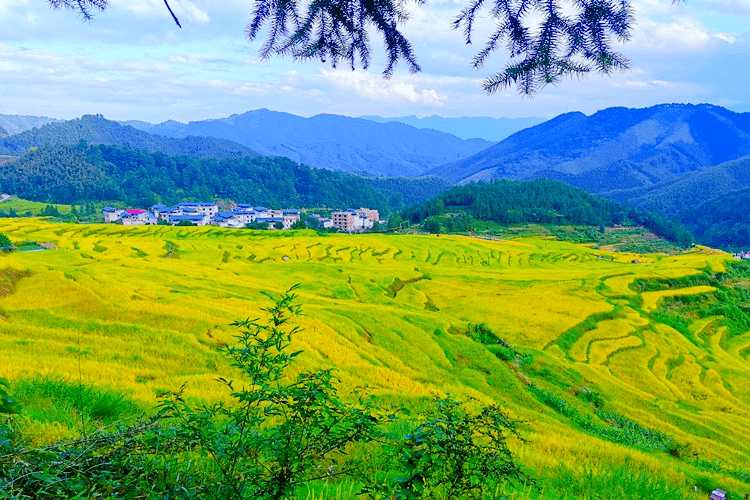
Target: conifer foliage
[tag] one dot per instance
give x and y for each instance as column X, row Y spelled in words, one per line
column 546, row 40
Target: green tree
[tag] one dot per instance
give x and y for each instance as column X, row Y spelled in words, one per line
column 49, row 211
column 277, row 433
column 432, row 225
column 5, row 242
column 278, row 225
column 184, row 222
column 259, row 226
column 452, row 453
column 545, row 40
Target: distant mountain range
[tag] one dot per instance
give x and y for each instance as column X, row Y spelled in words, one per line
column 469, row 127
column 95, row 129
column 616, row 148
column 332, row 141
column 680, row 160
column 15, row 124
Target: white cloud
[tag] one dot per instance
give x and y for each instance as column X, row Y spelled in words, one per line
column 377, row 88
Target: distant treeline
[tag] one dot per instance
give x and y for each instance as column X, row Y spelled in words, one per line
column 85, row 173
column 540, row 201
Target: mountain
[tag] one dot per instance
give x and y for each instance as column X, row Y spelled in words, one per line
column 469, row 127
column 15, row 124
column 684, row 193
column 616, row 148
column 333, row 141
column 95, row 129
column 85, row 173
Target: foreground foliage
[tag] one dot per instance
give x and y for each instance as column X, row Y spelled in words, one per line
column 273, row 437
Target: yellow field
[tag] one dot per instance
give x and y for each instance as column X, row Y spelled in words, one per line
column 144, row 309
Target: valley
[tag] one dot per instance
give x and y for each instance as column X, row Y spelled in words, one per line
column 143, row 309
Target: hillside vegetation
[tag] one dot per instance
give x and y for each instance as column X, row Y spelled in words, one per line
column 534, row 202
column 96, row 129
column 615, row 148
column 83, row 173
column 629, row 379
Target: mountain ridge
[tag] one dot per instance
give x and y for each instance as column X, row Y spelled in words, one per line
column 659, row 142
column 95, row 129
column 333, row 141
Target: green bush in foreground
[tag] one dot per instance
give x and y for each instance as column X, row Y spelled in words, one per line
column 273, row 437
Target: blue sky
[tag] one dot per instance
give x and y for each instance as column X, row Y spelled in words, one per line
column 132, row 62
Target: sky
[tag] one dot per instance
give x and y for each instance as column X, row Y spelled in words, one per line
column 133, row 63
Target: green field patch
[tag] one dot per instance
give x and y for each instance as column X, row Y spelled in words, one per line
column 398, row 284
column 574, row 334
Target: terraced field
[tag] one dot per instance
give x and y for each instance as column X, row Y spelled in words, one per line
column 144, row 309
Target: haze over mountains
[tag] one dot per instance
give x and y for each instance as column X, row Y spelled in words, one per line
column 98, row 130
column 14, row 124
column 332, row 141
column 468, row 127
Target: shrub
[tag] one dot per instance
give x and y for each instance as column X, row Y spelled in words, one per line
column 451, row 454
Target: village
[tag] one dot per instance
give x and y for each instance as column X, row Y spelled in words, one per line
column 242, row 215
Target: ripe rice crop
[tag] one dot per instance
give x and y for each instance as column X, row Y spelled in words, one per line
column 144, row 309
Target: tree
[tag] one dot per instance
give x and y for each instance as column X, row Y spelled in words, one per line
column 5, row 243
column 184, row 222
column 452, row 454
column 257, row 225
column 545, row 40
column 278, row 225
column 278, row 432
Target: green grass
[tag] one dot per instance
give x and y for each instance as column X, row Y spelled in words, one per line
column 66, row 402
column 23, row 206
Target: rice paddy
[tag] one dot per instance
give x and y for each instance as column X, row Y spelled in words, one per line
column 143, row 309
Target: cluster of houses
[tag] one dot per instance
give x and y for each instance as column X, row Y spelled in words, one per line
column 742, row 255
column 203, row 214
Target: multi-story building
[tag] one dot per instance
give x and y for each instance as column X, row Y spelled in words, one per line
column 370, row 213
column 352, row 220
column 343, row 221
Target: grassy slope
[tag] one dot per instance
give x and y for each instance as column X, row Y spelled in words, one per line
column 22, row 206
column 145, row 322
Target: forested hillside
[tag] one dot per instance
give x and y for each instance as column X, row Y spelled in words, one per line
column 541, row 201
column 82, row 173
column 722, row 222
column 686, row 192
column 614, row 148
column 99, row 130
